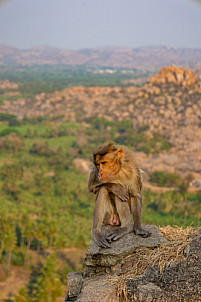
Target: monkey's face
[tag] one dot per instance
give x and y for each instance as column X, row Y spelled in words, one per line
column 108, row 165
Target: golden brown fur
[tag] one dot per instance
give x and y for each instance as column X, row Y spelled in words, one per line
column 116, row 172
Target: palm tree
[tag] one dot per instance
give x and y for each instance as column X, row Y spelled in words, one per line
column 9, row 238
column 29, row 234
column 48, row 288
column 39, row 235
column 51, row 230
column 23, row 221
column 2, row 228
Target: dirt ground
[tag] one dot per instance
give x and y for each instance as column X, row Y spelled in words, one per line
column 19, row 276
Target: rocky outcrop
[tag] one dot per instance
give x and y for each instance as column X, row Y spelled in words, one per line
column 174, row 75
column 179, row 282
column 6, row 84
column 159, row 268
column 82, row 165
column 198, row 74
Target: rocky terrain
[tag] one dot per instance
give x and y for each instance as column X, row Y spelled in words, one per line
column 169, row 104
column 164, row 267
column 8, row 85
column 149, row 58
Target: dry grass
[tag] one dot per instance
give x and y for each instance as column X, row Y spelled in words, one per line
column 162, row 256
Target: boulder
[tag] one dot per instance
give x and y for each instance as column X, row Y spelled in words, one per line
column 178, row 282
column 82, row 165
column 174, row 75
column 158, row 268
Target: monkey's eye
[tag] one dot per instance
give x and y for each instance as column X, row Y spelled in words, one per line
column 104, row 162
column 97, row 165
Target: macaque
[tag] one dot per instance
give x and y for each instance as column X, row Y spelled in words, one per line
column 116, row 180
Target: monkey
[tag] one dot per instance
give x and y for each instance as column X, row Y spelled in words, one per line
column 116, row 179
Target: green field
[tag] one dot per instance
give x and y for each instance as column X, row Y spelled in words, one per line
column 48, row 78
column 44, row 203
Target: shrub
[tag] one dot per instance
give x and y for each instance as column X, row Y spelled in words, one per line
column 41, row 148
column 18, row 257
column 10, row 118
column 11, row 142
column 163, row 179
column 7, row 131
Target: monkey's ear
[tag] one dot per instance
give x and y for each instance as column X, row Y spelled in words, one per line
column 120, row 152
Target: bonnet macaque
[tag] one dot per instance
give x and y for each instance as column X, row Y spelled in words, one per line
column 116, row 180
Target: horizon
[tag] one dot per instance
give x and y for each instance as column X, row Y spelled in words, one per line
column 98, row 47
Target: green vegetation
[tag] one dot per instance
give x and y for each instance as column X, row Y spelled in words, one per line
column 10, row 118
column 163, row 179
column 48, row 78
column 44, row 203
column 46, row 288
column 123, row 133
column 45, row 208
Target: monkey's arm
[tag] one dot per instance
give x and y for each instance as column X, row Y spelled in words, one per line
column 118, row 191
column 93, row 183
column 94, row 186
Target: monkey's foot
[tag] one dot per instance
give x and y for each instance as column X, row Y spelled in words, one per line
column 141, row 232
column 117, row 233
column 101, row 240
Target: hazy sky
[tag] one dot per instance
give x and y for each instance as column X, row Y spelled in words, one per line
column 76, row 24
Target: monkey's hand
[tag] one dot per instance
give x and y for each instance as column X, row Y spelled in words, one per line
column 118, row 190
column 95, row 190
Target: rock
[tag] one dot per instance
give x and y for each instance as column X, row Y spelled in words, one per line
column 82, row 165
column 100, row 260
column 6, row 84
column 74, row 281
column 195, row 185
column 188, row 111
column 198, row 73
column 103, row 266
column 98, row 289
column 178, row 282
column 175, row 75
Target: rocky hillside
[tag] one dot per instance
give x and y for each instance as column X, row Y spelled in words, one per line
column 169, row 104
column 164, row 267
column 174, row 75
column 149, row 58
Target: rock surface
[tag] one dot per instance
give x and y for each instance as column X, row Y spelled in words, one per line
column 100, row 260
column 174, row 75
column 179, row 282
column 105, row 268
column 82, row 165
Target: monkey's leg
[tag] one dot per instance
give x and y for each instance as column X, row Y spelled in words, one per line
column 136, row 210
column 126, row 227
column 100, row 209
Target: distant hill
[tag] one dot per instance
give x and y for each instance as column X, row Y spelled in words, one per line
column 162, row 118
column 148, row 58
